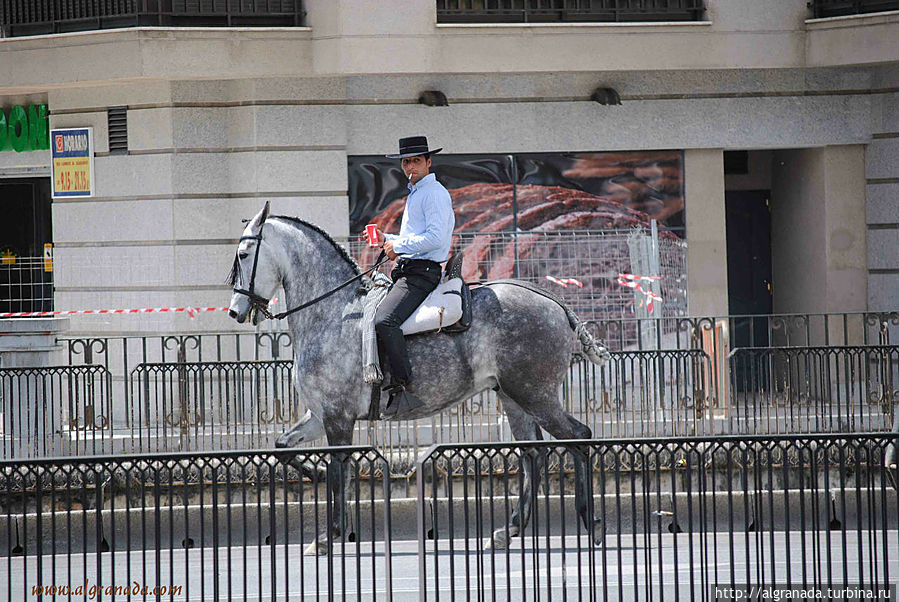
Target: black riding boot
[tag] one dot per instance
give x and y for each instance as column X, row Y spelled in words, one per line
column 401, row 401
column 413, row 280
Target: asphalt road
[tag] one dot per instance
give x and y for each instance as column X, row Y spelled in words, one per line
column 657, row 567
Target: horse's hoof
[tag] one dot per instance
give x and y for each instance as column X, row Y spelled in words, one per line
column 310, row 470
column 502, row 538
column 316, row 548
column 288, row 439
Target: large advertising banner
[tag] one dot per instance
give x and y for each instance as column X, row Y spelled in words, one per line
column 72, row 162
column 632, row 186
column 572, row 223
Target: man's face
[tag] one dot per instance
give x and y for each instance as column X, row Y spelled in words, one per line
column 416, row 168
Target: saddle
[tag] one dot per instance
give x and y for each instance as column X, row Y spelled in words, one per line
column 447, row 308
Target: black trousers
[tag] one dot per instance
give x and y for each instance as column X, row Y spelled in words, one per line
column 413, row 280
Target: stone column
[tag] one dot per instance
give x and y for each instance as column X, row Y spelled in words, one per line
column 706, row 232
column 818, row 235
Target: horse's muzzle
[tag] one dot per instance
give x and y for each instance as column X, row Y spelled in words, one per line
column 239, row 309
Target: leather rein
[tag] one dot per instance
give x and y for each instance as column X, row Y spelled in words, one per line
column 261, row 303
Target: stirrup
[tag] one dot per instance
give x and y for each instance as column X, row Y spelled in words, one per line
column 393, row 387
column 401, row 402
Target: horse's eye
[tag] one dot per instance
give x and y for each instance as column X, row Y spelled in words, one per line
column 242, row 254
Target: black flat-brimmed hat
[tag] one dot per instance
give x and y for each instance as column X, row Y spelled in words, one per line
column 414, row 146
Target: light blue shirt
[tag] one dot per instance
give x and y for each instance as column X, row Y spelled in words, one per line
column 426, row 231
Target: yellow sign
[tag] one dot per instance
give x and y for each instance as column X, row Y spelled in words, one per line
column 48, row 257
column 7, row 257
column 72, row 153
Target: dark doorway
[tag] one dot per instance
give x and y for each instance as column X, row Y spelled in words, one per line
column 26, row 225
column 25, row 282
column 748, row 265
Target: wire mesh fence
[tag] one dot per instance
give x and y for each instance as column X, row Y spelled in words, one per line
column 26, row 284
column 594, row 259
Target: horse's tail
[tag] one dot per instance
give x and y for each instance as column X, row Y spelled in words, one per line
column 595, row 352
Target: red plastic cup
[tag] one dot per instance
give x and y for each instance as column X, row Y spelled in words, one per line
column 371, row 232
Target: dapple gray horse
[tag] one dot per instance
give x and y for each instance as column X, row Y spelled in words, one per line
column 519, row 344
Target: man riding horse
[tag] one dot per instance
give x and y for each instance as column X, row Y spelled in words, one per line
column 421, row 246
column 497, row 352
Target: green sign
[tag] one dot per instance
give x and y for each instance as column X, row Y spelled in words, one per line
column 22, row 130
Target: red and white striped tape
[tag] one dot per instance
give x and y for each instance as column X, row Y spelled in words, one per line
column 633, row 281
column 191, row 311
column 635, row 278
column 564, row 282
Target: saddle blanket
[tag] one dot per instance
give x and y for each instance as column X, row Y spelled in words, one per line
column 440, row 309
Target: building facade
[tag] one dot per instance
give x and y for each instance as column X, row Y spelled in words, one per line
column 788, row 123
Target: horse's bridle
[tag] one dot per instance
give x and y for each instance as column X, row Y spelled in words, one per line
column 261, row 303
column 256, row 301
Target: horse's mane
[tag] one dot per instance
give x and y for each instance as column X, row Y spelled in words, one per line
column 297, row 222
column 337, row 247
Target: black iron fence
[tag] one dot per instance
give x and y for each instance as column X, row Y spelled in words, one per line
column 226, row 391
column 717, row 335
column 645, row 394
column 55, row 411
column 210, row 405
column 548, row 11
column 32, row 17
column 656, row 519
column 839, row 8
column 813, row 389
column 607, row 519
column 223, row 526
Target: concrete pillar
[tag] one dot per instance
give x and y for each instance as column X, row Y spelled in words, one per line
column 818, row 233
column 818, row 246
column 706, row 232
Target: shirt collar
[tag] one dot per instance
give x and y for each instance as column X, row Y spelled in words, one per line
column 422, row 182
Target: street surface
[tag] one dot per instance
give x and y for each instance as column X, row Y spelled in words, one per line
column 623, row 571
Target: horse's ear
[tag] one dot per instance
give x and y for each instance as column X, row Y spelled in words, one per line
column 260, row 217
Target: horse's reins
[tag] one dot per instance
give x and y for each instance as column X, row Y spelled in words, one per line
column 261, row 303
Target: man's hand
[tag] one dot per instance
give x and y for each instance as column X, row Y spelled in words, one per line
column 387, row 246
column 388, row 249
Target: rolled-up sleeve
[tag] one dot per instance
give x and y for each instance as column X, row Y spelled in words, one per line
column 437, row 207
